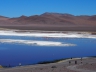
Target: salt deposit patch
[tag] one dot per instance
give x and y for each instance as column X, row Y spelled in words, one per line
column 38, row 43
column 37, row 34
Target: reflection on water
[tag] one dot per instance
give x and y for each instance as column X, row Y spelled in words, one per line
column 14, row 54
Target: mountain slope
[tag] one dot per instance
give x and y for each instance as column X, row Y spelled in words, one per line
column 50, row 20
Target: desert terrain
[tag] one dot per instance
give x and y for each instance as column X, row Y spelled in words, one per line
column 50, row 21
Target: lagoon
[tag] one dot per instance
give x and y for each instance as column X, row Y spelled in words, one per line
column 16, row 52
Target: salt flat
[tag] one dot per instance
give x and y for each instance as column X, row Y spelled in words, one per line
column 57, row 34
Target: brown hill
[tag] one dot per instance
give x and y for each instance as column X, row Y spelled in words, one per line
column 50, row 21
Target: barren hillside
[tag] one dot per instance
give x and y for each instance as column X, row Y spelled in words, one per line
column 50, row 21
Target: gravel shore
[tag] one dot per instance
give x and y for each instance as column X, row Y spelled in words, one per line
column 75, row 65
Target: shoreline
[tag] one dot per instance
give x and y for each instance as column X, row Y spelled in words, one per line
column 58, row 61
column 48, row 30
column 52, row 28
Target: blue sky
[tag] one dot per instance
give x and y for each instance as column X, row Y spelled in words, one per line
column 15, row 8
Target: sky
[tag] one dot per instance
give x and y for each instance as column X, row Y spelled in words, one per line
column 16, row 8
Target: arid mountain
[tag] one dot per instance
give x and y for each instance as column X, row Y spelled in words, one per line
column 50, row 20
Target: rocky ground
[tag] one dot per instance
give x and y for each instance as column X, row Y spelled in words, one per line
column 70, row 65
